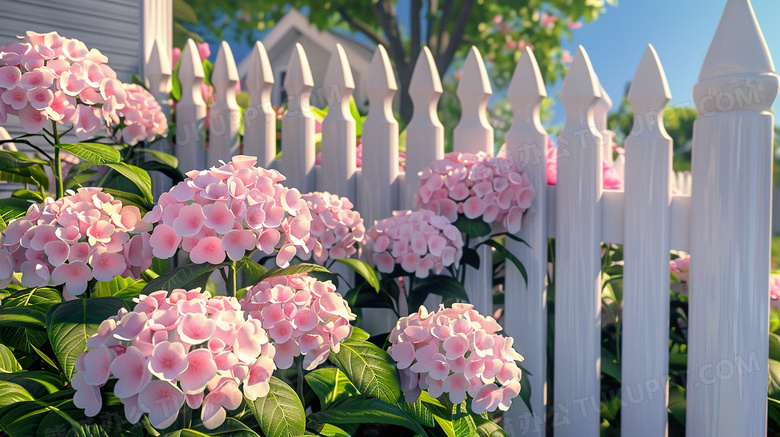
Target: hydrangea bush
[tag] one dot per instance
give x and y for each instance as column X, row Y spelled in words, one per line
column 112, row 303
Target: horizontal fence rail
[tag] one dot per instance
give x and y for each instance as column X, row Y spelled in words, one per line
column 719, row 212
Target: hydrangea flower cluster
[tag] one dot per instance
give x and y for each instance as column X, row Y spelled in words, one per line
column 186, row 347
column 303, row 316
column 85, row 235
column 228, row 211
column 456, row 351
column 142, row 116
column 681, row 267
column 418, row 241
column 610, row 180
column 774, row 291
column 48, row 77
column 336, row 228
column 476, row 186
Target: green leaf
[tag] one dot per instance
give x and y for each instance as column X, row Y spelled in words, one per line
column 38, row 383
column 474, row 228
column 12, row 208
column 488, row 428
column 418, row 411
column 8, row 363
column 39, row 298
column 87, row 430
column 187, row 277
column 230, row 428
column 130, row 199
column 357, row 409
column 359, row 334
column 174, row 173
column 369, row 368
column 255, row 270
column 295, row 269
column 508, row 255
column 123, row 288
column 21, row 317
column 363, row 269
column 96, row 153
column 280, row 413
column 13, row 393
column 165, row 158
column 29, row 195
column 330, row 385
column 445, row 286
column 462, row 422
column 71, row 323
column 137, row 176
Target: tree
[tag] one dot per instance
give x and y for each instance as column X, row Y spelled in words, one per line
column 498, row 28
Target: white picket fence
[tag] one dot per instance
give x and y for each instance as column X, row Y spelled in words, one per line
column 722, row 218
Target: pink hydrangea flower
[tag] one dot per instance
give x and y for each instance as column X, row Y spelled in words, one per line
column 303, row 316
column 418, row 241
column 47, row 77
column 85, row 235
column 681, row 267
column 336, row 229
column 171, row 349
column 456, row 351
column 774, row 291
column 476, row 186
column 142, row 115
column 228, row 211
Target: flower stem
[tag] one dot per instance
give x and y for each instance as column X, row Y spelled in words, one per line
column 299, row 385
column 232, row 286
column 57, row 166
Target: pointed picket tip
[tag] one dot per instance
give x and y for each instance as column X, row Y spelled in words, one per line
column 738, row 45
column 298, row 78
column 475, row 79
column 225, row 70
column 158, row 58
column 259, row 73
column 190, row 65
column 527, row 80
column 380, row 73
column 605, row 99
column 425, row 76
column 581, row 81
column 649, row 90
column 339, row 73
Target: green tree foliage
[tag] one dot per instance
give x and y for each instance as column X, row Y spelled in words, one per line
column 498, row 28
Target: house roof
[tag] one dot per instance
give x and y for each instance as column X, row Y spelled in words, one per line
column 294, row 24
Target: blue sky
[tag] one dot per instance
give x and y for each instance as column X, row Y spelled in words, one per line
column 680, row 31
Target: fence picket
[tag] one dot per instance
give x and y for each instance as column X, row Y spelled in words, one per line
column 600, row 113
column 578, row 255
column 525, row 306
column 298, row 124
column 158, row 73
column 645, row 351
column 337, row 173
column 225, row 115
column 424, row 133
column 474, row 134
column 260, row 118
column 377, row 199
column 190, row 111
column 730, row 231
